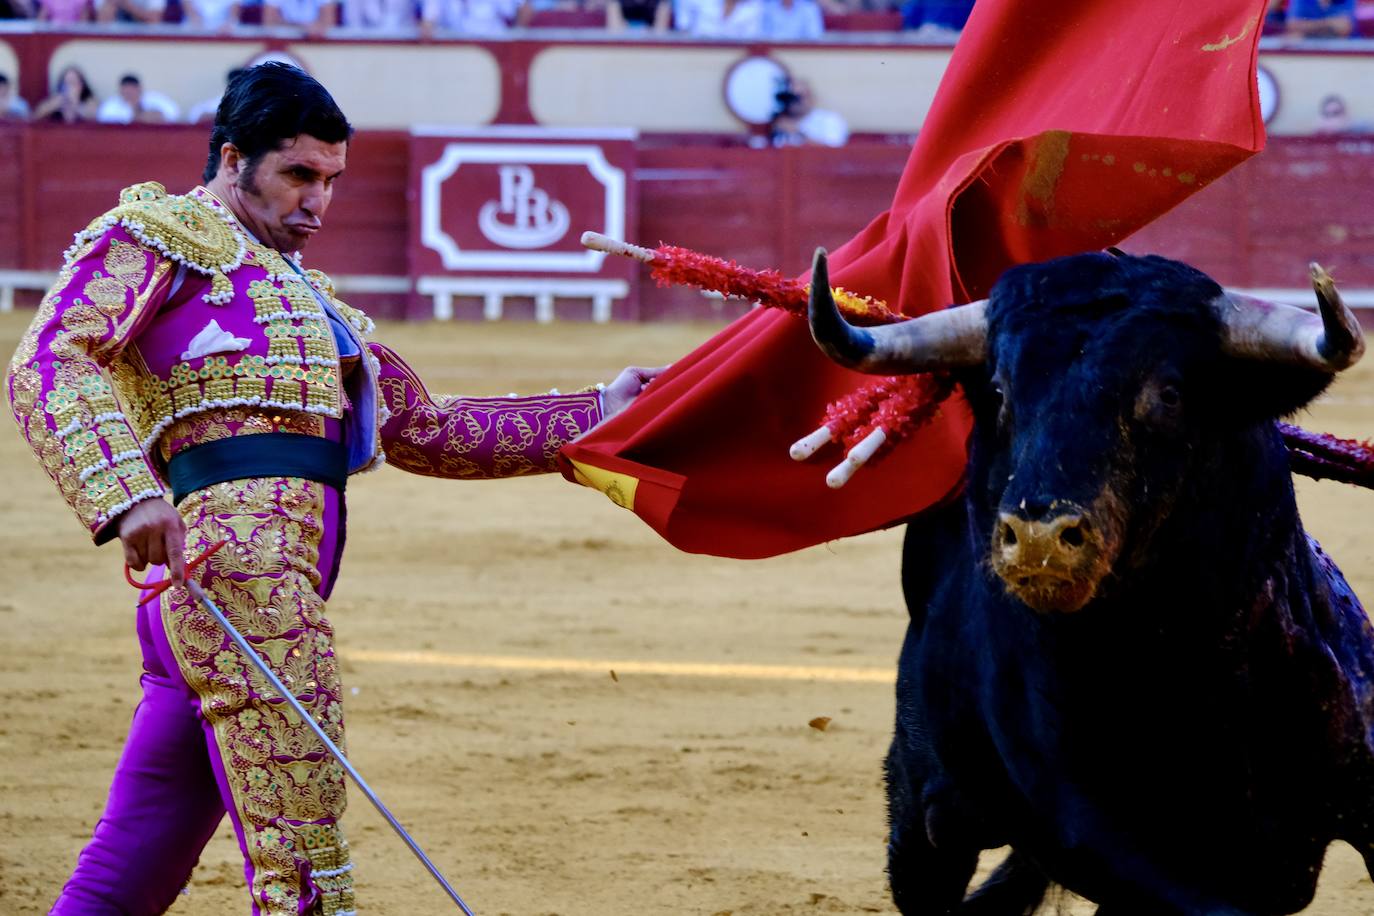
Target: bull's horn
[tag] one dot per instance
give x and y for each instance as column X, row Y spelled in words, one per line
column 1259, row 329
column 947, row 339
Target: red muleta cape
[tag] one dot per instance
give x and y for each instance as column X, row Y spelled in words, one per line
column 1058, row 128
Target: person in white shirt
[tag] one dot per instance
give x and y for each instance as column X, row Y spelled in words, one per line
column 799, row 123
column 12, row 107
column 467, row 17
column 722, row 18
column 393, row 16
column 130, row 10
column 204, row 110
column 793, row 20
column 134, row 104
column 314, row 16
column 210, row 15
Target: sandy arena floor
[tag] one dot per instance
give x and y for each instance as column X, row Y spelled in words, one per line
column 478, row 625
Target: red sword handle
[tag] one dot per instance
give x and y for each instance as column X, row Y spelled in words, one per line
column 157, row 588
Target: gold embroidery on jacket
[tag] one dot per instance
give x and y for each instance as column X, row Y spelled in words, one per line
column 298, row 373
column 226, row 423
column 88, row 320
column 512, row 436
column 141, row 298
column 252, row 380
column 180, row 227
column 127, row 268
column 287, row 793
column 28, row 344
column 73, row 421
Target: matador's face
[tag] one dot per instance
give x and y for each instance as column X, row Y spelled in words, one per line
column 282, row 196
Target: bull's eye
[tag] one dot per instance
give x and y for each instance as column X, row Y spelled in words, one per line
column 1159, row 406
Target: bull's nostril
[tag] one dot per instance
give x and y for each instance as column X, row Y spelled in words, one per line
column 1073, row 537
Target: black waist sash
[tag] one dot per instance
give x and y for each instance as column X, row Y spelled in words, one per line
column 258, row 455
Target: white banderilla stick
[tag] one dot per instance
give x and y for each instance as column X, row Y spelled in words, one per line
column 333, row 749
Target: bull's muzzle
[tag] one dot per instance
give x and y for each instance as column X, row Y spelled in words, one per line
column 1053, row 563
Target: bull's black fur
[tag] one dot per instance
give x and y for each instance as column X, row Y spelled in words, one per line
column 1192, row 739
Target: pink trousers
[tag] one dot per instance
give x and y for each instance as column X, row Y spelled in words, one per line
column 210, row 737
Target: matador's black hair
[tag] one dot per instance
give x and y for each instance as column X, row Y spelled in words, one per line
column 266, row 106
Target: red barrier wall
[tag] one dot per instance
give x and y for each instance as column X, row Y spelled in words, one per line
column 1300, row 200
column 61, row 177
column 1303, row 199
column 763, row 208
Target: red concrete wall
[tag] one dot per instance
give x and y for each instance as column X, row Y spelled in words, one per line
column 1303, row 199
column 1300, row 200
column 763, row 208
column 14, row 209
column 57, row 178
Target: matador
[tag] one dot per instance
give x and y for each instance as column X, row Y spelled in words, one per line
column 184, row 352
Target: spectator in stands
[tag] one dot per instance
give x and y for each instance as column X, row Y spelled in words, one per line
column 395, row 17
column 684, row 14
column 936, row 18
column 12, row 107
column 315, row 17
column 1321, row 18
column 792, row 20
column 466, row 17
column 135, row 105
column 129, row 10
column 797, row 122
column 1274, row 15
column 71, row 101
column 63, row 12
column 628, row 15
column 721, row 18
column 524, row 17
column 210, row 15
column 204, row 111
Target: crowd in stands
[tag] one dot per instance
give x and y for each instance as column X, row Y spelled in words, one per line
column 1314, row 18
column 768, row 20
column 72, row 99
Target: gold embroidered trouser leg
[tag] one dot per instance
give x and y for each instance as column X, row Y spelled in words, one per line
column 283, row 791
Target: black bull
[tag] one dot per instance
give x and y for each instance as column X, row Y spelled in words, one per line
column 1126, row 659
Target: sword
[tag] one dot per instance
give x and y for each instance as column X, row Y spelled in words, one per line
column 333, row 749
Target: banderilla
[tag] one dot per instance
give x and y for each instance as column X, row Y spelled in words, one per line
column 330, row 746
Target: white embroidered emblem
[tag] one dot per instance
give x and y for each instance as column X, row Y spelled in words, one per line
column 214, row 339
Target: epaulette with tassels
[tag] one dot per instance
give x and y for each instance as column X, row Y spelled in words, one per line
column 178, row 226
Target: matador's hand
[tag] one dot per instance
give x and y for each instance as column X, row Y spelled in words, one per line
column 153, row 532
column 627, row 386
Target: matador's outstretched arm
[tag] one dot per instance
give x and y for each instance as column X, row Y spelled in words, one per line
column 475, row 438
